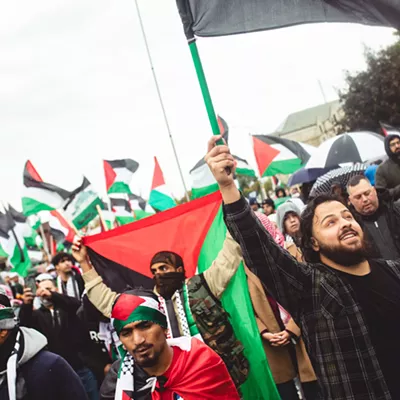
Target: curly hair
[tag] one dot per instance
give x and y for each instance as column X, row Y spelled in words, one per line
column 306, row 226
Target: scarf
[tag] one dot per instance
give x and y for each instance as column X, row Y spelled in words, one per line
column 12, row 365
column 72, row 287
column 132, row 384
column 182, row 320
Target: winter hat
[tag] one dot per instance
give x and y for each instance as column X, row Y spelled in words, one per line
column 283, row 210
column 8, row 319
column 389, row 152
column 137, row 305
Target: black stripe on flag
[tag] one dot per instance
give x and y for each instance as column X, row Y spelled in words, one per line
column 127, row 163
column 30, row 182
column 116, row 276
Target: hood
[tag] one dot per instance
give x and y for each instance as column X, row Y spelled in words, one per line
column 285, row 208
column 388, row 139
column 34, row 341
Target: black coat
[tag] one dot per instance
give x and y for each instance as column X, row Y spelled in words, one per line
column 48, row 377
column 66, row 335
column 389, row 210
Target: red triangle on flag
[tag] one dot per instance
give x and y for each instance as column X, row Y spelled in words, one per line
column 32, row 171
column 158, row 177
column 181, row 229
column 125, row 305
column 109, row 173
column 264, row 153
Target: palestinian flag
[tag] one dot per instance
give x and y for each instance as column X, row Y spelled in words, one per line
column 139, row 206
column 12, row 245
column 210, row 18
column 38, row 195
column 203, row 181
column 195, row 231
column 160, row 199
column 60, row 228
column 121, row 207
column 275, row 155
column 118, row 174
column 23, row 227
column 83, row 208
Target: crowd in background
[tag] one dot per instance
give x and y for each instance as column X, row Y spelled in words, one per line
column 61, row 331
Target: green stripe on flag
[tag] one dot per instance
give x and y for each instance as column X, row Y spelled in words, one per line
column 245, row 172
column 32, row 206
column 236, row 301
column 204, row 191
column 20, row 265
column 160, row 201
column 120, row 187
column 283, row 167
column 124, row 220
column 88, row 214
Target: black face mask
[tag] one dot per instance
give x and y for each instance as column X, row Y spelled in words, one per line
column 167, row 284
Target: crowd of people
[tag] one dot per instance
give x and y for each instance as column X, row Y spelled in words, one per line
column 323, row 279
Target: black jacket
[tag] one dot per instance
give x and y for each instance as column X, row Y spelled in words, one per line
column 382, row 229
column 66, row 334
column 388, row 174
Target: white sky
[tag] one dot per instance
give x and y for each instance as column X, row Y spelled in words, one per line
column 76, row 87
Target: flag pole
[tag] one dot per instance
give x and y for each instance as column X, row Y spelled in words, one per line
column 102, row 221
column 201, row 77
column 161, row 99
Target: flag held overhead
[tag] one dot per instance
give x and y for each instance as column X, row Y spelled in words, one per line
column 217, row 18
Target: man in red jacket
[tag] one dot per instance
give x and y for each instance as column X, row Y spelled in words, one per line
column 157, row 368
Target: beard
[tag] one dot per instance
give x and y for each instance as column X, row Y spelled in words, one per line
column 167, row 284
column 147, row 361
column 344, row 256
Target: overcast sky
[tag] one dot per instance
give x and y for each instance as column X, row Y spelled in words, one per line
column 76, row 87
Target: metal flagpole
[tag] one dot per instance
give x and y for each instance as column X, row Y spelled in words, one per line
column 160, row 98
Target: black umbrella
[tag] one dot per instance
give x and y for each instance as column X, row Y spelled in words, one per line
column 349, row 147
column 305, row 175
column 341, row 175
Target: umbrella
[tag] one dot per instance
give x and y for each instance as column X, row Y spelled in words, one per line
column 307, row 175
column 342, row 175
column 349, row 147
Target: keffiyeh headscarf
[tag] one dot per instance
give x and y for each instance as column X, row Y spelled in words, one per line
column 133, row 306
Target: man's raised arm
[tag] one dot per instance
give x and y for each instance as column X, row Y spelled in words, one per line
column 285, row 278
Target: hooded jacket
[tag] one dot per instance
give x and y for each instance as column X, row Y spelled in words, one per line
column 282, row 211
column 41, row 374
column 388, row 173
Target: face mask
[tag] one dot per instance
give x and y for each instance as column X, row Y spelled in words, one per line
column 167, row 284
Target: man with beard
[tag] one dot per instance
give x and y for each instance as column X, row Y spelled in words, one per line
column 379, row 216
column 388, row 173
column 191, row 305
column 347, row 305
column 154, row 367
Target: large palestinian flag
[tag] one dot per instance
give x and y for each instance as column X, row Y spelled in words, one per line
column 275, row 155
column 196, row 231
column 38, row 195
column 118, row 174
column 83, row 207
column 160, row 197
column 12, row 245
